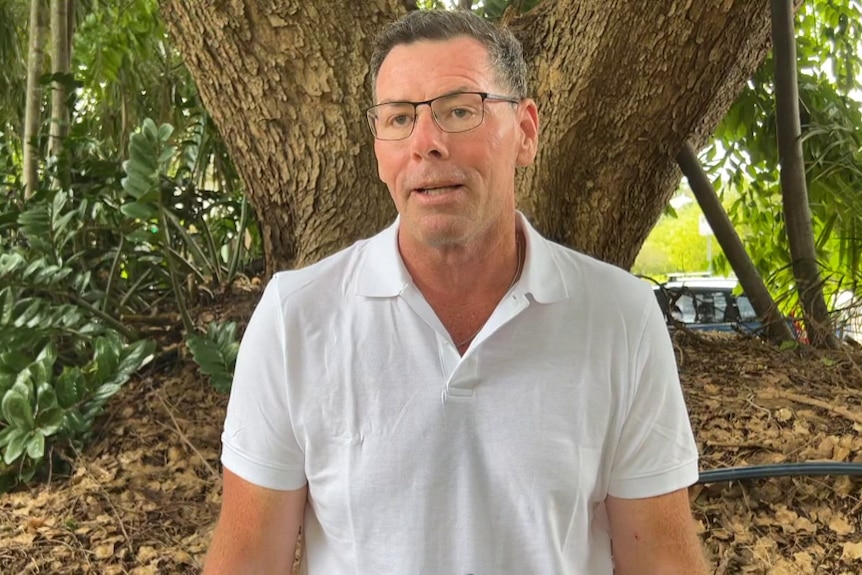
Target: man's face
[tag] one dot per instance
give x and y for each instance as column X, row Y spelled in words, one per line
column 452, row 188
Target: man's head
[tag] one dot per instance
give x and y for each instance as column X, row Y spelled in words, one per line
column 450, row 128
column 504, row 51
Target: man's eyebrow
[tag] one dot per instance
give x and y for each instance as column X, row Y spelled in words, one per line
column 448, row 93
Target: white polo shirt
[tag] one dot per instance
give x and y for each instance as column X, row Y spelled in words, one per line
column 421, row 461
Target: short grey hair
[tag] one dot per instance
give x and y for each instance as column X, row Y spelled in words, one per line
column 505, row 53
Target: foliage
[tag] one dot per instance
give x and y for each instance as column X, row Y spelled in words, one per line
column 744, row 157
column 12, row 62
column 216, row 353
column 48, row 406
column 172, row 206
column 121, row 239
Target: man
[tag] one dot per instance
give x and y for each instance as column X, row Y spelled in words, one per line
column 456, row 395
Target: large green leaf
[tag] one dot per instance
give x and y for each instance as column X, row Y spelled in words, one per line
column 107, row 358
column 16, row 409
column 132, row 358
column 36, row 446
column 50, row 421
column 15, row 447
column 46, row 399
column 69, row 387
column 105, row 392
column 9, row 433
column 139, row 210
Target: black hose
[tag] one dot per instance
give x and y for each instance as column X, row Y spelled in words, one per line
column 807, row 468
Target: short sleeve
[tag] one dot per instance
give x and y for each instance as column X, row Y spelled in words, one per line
column 656, row 452
column 258, row 441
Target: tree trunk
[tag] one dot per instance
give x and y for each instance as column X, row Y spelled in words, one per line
column 287, row 83
column 777, row 329
column 620, row 86
column 33, row 113
column 61, row 61
column 794, row 190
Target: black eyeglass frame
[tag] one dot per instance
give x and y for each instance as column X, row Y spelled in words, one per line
column 484, row 95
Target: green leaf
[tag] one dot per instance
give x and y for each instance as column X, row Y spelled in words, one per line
column 106, row 357
column 9, row 433
column 48, row 422
column 69, row 387
column 150, row 130
column 46, row 399
column 36, row 446
column 73, row 421
column 139, row 210
column 136, row 186
column 16, row 409
column 166, row 155
column 132, row 358
column 105, row 392
column 14, row 360
column 7, row 380
column 48, row 355
column 15, row 448
column 141, row 154
column 7, row 305
column 165, row 131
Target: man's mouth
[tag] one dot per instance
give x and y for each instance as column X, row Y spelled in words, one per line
column 437, row 190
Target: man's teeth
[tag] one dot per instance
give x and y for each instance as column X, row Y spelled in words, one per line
column 435, row 191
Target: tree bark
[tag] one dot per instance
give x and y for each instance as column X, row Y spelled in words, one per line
column 61, row 62
column 777, row 329
column 620, row 87
column 794, row 190
column 623, row 86
column 33, row 111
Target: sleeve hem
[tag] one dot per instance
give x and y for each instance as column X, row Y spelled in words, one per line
column 679, row 477
column 264, row 475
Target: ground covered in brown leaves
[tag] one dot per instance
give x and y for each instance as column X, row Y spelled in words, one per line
column 144, row 496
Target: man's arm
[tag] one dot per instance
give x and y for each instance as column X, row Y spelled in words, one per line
column 655, row 535
column 257, row 529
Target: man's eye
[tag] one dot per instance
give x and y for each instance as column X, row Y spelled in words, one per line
column 459, row 113
column 399, row 120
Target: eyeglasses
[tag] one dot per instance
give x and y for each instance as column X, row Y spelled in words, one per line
column 453, row 113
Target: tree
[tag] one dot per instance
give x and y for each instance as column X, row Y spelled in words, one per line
column 35, row 62
column 793, row 185
column 62, row 12
column 776, row 328
column 622, row 86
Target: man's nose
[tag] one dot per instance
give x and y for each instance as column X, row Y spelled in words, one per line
column 427, row 139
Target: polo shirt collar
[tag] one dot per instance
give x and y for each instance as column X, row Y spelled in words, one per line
column 382, row 272
column 542, row 277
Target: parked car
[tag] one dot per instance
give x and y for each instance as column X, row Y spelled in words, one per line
column 706, row 303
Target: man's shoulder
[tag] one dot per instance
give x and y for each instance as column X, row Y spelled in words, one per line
column 330, row 274
column 593, row 272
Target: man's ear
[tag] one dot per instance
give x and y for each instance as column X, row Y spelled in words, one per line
column 529, row 133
